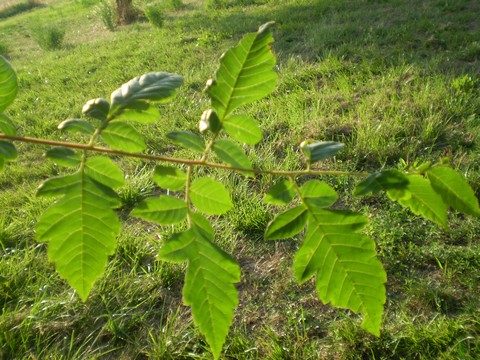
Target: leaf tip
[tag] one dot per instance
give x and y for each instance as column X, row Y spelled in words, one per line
column 266, row 27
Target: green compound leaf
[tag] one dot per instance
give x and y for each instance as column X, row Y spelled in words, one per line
column 80, row 229
column 233, row 155
column 209, row 281
column 287, row 224
column 282, row 193
column 319, row 150
column 163, row 210
column 318, row 194
column 8, row 84
column 421, row 199
column 96, row 109
column 77, row 125
column 139, row 111
column 169, row 177
column 105, row 171
column 64, row 156
column 8, row 152
column 210, row 196
column 245, row 74
column 348, row 274
column 122, row 136
column 6, row 125
column 188, row 140
column 243, row 128
column 159, row 86
column 454, row 190
column 382, row 181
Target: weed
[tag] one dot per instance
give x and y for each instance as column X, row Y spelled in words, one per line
column 175, row 4
column 155, row 15
column 471, row 52
column 48, row 36
column 106, row 13
column 137, row 189
column 215, row 4
column 465, row 84
column 209, row 38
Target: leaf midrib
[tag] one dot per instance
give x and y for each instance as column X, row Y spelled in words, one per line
column 337, row 262
column 230, row 97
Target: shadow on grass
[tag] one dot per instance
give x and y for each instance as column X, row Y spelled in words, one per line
column 19, row 8
column 386, row 32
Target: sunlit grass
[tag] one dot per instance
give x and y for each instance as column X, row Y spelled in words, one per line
column 395, row 81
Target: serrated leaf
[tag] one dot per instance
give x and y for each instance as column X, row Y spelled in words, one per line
column 105, row 171
column 163, row 210
column 243, row 128
column 382, row 181
column 188, row 140
column 454, row 190
column 80, row 229
column 122, row 136
column 421, row 199
column 348, row 274
column 6, row 125
column 233, row 155
column 158, row 86
column 169, row 177
column 319, row 150
column 174, row 250
column 245, row 73
column 318, row 194
column 210, row 196
column 139, row 111
column 77, row 125
column 57, row 186
column 64, row 156
column 287, row 224
column 281, row 193
column 8, row 84
column 8, row 152
column 209, row 281
column 96, row 109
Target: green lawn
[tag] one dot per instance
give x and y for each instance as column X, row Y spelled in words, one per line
column 396, row 80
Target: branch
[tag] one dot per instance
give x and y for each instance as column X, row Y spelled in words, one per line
column 169, row 159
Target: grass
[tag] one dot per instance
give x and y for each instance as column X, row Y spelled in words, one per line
column 154, row 14
column 394, row 80
column 106, row 13
column 3, row 49
column 48, row 36
column 11, row 8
